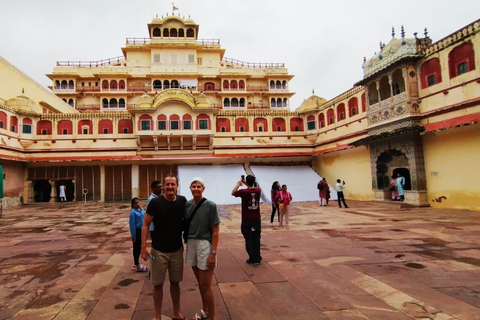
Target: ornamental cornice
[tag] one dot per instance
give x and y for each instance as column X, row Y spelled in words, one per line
column 454, row 38
column 344, row 96
column 7, row 108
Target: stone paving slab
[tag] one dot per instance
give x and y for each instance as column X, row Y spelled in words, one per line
column 375, row 260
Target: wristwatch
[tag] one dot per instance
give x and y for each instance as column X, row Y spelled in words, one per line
column 213, row 252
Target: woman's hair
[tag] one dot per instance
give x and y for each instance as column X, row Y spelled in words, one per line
column 275, row 185
column 284, row 185
column 133, row 202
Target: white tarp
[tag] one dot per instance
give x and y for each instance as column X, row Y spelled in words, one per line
column 301, row 181
column 219, row 181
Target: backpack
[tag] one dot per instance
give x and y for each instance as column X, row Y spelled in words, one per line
column 320, row 186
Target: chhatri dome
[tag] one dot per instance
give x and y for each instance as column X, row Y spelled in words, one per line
column 311, row 104
column 24, row 105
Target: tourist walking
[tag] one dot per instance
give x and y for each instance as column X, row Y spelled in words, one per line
column 284, row 199
column 135, row 223
column 273, row 196
column 400, row 184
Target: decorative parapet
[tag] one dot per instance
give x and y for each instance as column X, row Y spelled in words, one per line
column 87, row 115
column 453, row 38
column 256, row 113
column 344, row 96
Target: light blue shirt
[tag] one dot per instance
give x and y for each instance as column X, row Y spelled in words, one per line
column 152, row 196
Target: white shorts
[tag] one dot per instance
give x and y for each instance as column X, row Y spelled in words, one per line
column 198, row 251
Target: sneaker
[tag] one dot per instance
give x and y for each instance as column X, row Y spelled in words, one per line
column 271, row 224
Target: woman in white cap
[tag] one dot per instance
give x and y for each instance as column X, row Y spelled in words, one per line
column 202, row 242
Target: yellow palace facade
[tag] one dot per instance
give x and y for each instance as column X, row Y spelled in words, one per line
column 107, row 128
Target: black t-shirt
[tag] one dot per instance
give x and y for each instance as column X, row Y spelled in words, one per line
column 167, row 219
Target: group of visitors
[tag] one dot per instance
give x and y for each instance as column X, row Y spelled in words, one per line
column 397, row 185
column 168, row 215
column 324, row 192
column 281, row 200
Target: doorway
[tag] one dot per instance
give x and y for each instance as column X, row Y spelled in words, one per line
column 69, row 190
column 41, row 190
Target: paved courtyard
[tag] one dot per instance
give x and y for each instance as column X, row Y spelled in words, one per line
column 371, row 261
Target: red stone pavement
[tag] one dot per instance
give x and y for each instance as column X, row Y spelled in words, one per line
column 374, row 260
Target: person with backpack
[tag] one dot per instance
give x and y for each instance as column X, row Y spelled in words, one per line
column 323, row 192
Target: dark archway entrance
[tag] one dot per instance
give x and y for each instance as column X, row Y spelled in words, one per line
column 70, row 189
column 41, row 190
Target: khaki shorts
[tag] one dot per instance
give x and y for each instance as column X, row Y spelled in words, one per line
column 198, row 251
column 166, row 261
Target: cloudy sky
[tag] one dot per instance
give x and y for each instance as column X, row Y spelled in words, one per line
column 321, row 42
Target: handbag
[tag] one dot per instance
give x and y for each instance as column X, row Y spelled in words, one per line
column 186, row 222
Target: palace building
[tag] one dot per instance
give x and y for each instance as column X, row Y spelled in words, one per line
column 107, row 128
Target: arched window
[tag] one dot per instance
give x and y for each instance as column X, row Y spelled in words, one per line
column 241, row 85
column 242, row 103
column 121, row 84
column 65, row 127
column 272, row 84
column 71, row 103
column 121, row 103
column 226, row 85
column 340, row 111
column 273, row 103
column 384, row 88
column 352, row 107
column 284, row 84
column 372, row 93
column 64, row 84
column 234, row 102
column 279, row 103
column 278, row 85
column 166, row 33
column 226, row 102
column 321, row 120
column 181, row 33
column 173, row 33
column 330, row 116
column 105, row 85
column 113, row 85
column 113, row 103
column 166, row 84
column 105, row 103
column 190, row 33
column 125, row 126
column 156, row 32
column 57, row 84
column 461, row 59
column 233, row 84
column 71, row 84
column 209, row 86
column 175, row 84
column 285, row 102
column 430, row 73
column 398, row 83
column 157, row 84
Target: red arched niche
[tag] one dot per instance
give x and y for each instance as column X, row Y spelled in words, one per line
column 125, row 126
column 65, row 127
column 462, row 53
column 223, row 123
column 278, row 124
column 296, row 124
column 430, row 68
column 105, row 126
column 44, row 126
column 259, row 123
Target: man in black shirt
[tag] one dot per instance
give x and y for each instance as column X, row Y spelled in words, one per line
column 166, row 212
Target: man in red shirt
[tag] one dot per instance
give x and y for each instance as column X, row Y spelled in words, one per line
column 251, row 221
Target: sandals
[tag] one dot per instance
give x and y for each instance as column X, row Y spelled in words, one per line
column 203, row 316
column 143, row 268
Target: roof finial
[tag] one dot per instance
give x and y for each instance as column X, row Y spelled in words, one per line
column 23, row 90
column 313, row 91
column 364, row 59
column 393, row 32
column 403, row 32
column 426, row 33
column 415, row 35
column 381, row 46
